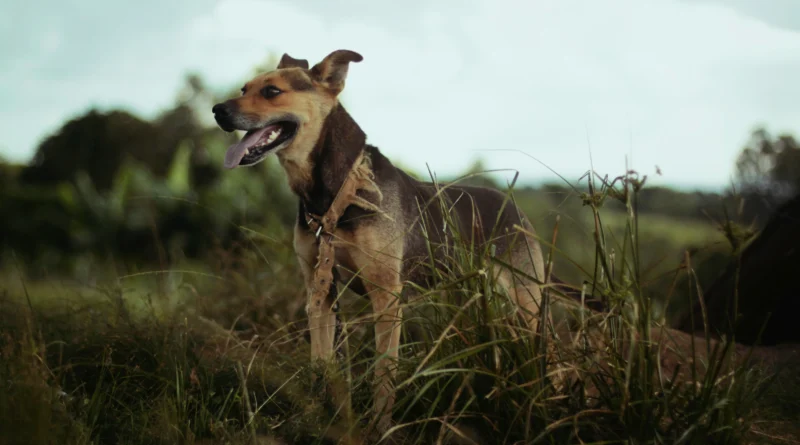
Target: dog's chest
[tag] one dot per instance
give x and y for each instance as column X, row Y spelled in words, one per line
column 307, row 248
column 346, row 267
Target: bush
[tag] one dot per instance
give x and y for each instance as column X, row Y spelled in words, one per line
column 221, row 357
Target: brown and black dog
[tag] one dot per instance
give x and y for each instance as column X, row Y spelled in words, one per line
column 294, row 112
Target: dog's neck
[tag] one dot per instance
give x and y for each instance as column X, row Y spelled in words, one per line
column 340, row 142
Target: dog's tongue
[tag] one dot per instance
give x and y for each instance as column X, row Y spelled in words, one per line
column 237, row 151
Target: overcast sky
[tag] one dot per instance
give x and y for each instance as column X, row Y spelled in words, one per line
column 674, row 83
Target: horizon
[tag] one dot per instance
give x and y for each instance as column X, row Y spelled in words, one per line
column 501, row 175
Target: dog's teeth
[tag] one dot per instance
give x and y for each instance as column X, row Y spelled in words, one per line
column 246, row 151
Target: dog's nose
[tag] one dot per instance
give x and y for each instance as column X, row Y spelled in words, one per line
column 223, row 115
column 220, row 109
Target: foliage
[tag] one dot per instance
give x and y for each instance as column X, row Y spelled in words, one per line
column 221, row 357
column 770, row 166
column 768, row 173
column 149, row 297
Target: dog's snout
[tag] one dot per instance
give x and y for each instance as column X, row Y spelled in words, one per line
column 220, row 109
column 223, row 115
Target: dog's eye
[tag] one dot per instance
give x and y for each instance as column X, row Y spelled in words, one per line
column 270, row 91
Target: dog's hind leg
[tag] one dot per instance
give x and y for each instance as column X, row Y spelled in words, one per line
column 522, row 282
column 527, row 267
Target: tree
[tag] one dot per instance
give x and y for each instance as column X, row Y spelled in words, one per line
column 94, row 143
column 767, row 174
column 769, row 166
column 756, row 296
column 98, row 142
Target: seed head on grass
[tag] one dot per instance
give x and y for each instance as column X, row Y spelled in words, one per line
column 211, row 369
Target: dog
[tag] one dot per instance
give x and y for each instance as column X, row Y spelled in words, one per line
column 376, row 238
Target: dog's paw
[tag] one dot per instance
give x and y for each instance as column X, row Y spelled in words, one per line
column 381, row 431
column 384, row 423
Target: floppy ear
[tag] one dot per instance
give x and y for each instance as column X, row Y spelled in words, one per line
column 288, row 61
column 332, row 71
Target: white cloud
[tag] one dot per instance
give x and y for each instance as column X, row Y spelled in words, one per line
column 676, row 84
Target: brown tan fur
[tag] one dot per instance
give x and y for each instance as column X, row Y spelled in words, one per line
column 377, row 250
column 311, row 105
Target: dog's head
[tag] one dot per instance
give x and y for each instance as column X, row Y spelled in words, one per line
column 283, row 109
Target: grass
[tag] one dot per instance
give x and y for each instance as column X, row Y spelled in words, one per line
column 196, row 357
column 662, row 241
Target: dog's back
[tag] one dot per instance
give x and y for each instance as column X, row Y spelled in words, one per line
column 486, row 221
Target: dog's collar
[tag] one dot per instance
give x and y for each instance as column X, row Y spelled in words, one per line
column 344, row 197
column 322, row 283
column 360, row 177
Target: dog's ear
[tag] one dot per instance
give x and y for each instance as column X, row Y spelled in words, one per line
column 288, row 61
column 332, row 71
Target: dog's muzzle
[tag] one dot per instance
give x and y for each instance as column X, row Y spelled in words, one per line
column 223, row 114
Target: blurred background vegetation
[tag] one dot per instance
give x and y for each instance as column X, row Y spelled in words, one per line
column 111, row 194
column 116, row 213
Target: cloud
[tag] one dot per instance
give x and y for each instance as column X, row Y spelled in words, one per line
column 665, row 82
column 65, row 57
column 777, row 13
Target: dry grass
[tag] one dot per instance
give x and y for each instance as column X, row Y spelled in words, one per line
column 221, row 357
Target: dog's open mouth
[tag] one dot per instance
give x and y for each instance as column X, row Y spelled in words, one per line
column 256, row 144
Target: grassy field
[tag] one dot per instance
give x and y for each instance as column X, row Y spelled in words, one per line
column 215, row 352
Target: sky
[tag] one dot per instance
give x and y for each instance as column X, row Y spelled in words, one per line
column 535, row 86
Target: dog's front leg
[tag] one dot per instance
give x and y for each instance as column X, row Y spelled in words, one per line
column 379, row 265
column 321, row 323
column 320, row 297
column 387, row 313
